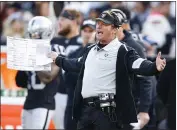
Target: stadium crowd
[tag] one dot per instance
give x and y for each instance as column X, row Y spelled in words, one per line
column 151, row 24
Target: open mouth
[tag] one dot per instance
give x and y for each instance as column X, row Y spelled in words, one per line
column 99, row 32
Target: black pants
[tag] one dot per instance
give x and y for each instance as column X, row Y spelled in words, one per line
column 95, row 119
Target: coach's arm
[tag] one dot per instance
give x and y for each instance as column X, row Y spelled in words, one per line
column 140, row 66
column 67, row 64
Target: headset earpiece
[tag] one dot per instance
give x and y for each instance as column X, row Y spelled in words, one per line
column 124, row 17
column 117, row 19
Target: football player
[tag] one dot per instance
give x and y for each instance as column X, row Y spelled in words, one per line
column 39, row 105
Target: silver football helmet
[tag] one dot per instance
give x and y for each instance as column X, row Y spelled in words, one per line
column 40, row 27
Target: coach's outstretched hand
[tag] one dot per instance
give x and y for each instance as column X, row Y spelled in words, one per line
column 53, row 55
column 160, row 63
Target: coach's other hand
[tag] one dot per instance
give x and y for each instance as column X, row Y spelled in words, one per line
column 160, row 63
column 53, row 55
column 144, row 119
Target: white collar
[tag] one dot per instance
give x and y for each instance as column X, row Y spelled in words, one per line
column 112, row 44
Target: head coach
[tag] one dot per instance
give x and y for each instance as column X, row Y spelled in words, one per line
column 103, row 96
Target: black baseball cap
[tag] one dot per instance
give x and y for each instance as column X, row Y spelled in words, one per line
column 106, row 18
column 89, row 23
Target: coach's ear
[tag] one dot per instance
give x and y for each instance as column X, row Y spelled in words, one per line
column 114, row 30
column 120, row 34
column 120, row 29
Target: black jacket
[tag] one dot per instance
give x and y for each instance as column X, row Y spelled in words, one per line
column 70, row 78
column 126, row 110
column 166, row 89
column 142, row 85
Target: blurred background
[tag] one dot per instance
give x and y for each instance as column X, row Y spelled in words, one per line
column 14, row 18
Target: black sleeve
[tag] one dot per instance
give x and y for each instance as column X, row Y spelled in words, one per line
column 144, row 82
column 145, row 92
column 21, row 79
column 138, row 65
column 73, row 65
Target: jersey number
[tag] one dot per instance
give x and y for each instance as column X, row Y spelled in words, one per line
column 65, row 51
column 35, row 82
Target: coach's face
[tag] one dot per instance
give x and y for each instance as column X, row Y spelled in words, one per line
column 64, row 26
column 105, row 32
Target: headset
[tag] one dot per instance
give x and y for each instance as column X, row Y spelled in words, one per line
column 117, row 20
column 120, row 14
